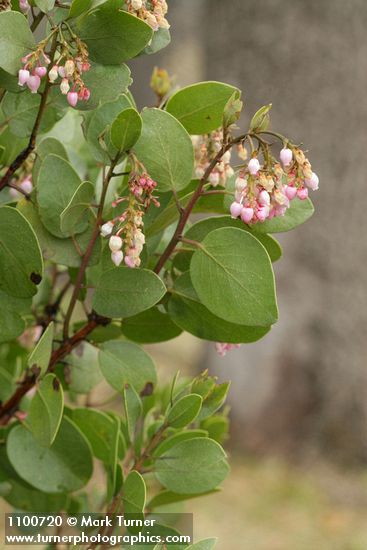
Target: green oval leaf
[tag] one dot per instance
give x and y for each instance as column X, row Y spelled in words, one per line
column 124, row 363
column 133, row 407
column 200, row 107
column 166, row 150
column 21, row 264
column 74, row 217
column 11, row 321
column 40, row 356
column 191, row 315
column 194, row 466
column 126, row 129
column 16, row 39
column 134, row 493
column 184, row 411
column 85, row 371
column 123, row 292
column 64, row 467
column 113, row 36
column 149, row 327
column 46, row 410
column 57, row 183
column 233, row 277
column 105, row 83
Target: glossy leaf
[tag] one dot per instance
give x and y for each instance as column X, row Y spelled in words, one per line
column 134, row 493
column 74, row 214
column 149, row 327
column 133, row 408
column 46, row 410
column 126, row 129
column 16, row 39
column 184, row 411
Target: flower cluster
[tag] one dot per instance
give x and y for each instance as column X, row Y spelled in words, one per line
column 206, row 147
column 265, row 192
column 222, row 348
column 68, row 67
column 153, row 12
column 125, row 231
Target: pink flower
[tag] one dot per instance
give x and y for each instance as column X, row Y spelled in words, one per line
column 72, row 98
column 290, row 192
column 253, row 166
column 53, row 74
column 247, row 214
column 106, row 229
column 262, row 213
column 222, row 348
column 64, row 86
column 40, row 71
column 302, row 193
column 23, row 76
column 286, row 156
column 313, row 182
column 235, row 209
column 264, row 198
column 115, row 243
column 129, row 261
column 27, row 185
column 117, row 257
column 24, row 6
column 34, row 83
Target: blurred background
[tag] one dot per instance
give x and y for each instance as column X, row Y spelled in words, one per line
column 298, row 397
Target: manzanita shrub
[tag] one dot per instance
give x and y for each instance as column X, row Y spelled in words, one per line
column 100, row 254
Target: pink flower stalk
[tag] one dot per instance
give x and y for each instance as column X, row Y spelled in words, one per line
column 72, row 98
column 33, row 83
column 286, row 156
column 253, row 166
column 23, row 76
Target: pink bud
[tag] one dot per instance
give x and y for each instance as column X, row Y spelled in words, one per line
column 290, row 192
column 302, row 193
column 115, row 243
column 64, row 86
column 241, row 183
column 247, row 214
column 33, row 83
column 40, row 71
column 253, row 166
column 262, row 213
column 235, row 209
column 72, row 98
column 214, row 178
column 264, row 198
column 86, row 94
column 286, row 156
column 26, row 185
column 23, row 76
column 129, row 261
column 61, row 71
column 117, row 257
column 313, row 182
column 24, row 6
column 106, row 229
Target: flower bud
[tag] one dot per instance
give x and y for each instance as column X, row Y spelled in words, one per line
column 64, row 86
column 286, row 156
column 262, row 213
column 241, row 184
column 69, row 67
column 106, row 229
column 302, row 194
column 290, row 192
column 253, row 166
column 40, row 71
column 117, row 257
column 264, row 198
column 53, row 74
column 115, row 243
column 72, row 98
column 23, row 76
column 247, row 214
column 61, row 71
column 33, row 83
column 226, row 157
column 129, row 261
column 235, row 209
column 24, row 6
column 214, row 178
column 313, row 182
column 26, row 185
column 86, row 94
column 136, row 4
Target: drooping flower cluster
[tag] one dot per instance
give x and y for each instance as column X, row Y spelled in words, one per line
column 153, row 12
column 125, row 231
column 222, row 348
column 263, row 192
column 206, row 147
column 69, row 67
